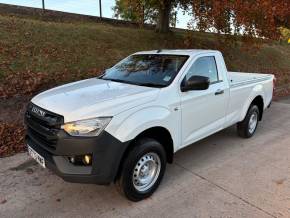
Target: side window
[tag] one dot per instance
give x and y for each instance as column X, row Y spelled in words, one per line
column 204, row 66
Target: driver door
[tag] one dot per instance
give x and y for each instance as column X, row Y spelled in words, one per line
column 203, row 111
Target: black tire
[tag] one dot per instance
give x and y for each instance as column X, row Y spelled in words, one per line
column 125, row 183
column 243, row 127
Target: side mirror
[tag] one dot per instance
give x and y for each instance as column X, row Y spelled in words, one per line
column 195, row 83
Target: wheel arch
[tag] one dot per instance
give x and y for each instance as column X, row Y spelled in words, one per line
column 158, row 133
column 257, row 100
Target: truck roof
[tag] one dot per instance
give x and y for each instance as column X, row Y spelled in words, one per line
column 178, row 51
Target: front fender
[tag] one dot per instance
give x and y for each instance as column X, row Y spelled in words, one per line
column 126, row 129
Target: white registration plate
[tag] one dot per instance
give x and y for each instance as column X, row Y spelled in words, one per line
column 36, row 156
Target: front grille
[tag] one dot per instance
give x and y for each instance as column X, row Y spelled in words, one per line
column 43, row 126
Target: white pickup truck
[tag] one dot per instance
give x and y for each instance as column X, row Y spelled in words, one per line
column 125, row 125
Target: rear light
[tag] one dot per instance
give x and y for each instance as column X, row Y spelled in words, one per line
column 274, row 84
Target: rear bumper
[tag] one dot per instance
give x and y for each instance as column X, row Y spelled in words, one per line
column 106, row 152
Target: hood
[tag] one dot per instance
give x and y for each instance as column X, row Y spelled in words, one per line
column 93, row 98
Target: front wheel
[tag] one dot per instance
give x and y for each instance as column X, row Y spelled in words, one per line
column 248, row 126
column 142, row 170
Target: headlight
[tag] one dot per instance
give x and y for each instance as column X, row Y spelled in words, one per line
column 87, row 128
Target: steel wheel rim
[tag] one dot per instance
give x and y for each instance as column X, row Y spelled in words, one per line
column 253, row 122
column 146, row 171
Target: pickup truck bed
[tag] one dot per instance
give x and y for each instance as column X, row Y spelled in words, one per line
column 241, row 78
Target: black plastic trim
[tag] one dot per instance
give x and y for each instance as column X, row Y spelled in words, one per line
column 107, row 152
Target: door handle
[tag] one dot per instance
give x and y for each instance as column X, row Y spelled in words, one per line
column 219, row 92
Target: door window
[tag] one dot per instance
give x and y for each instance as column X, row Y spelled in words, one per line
column 204, row 66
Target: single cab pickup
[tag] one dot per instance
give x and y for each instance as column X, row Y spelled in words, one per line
column 126, row 125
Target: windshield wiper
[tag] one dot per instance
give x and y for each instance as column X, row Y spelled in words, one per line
column 115, row 80
column 154, row 85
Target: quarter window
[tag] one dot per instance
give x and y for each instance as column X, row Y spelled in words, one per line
column 204, row 66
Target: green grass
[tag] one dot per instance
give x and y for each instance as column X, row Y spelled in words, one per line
column 29, row 44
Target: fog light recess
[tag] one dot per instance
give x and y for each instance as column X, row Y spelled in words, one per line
column 81, row 160
column 87, row 159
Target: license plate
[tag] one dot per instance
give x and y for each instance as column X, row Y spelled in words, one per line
column 36, row 156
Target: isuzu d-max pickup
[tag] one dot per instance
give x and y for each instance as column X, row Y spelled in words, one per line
column 124, row 126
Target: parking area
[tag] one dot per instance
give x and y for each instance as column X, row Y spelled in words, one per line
column 221, row 176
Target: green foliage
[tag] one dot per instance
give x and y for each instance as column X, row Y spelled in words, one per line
column 285, row 34
column 140, row 11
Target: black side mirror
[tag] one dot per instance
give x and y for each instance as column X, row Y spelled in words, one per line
column 195, row 83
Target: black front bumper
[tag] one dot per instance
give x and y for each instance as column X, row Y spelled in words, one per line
column 45, row 136
column 106, row 152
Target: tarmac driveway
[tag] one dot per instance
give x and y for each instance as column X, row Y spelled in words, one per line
column 221, row 176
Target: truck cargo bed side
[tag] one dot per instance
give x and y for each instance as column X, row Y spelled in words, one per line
column 239, row 78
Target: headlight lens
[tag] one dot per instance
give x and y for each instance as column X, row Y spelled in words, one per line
column 87, row 128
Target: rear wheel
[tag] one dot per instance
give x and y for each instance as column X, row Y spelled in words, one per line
column 248, row 126
column 142, row 170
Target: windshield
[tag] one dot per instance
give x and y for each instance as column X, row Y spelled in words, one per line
column 153, row 70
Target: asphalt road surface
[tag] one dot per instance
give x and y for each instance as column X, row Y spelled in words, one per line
column 221, row 176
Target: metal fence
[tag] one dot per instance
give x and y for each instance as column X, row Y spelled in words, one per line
column 100, row 7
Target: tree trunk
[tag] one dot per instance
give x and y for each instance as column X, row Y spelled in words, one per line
column 164, row 16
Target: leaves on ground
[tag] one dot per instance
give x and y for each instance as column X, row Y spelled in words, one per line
column 12, row 139
column 22, row 83
column 3, row 201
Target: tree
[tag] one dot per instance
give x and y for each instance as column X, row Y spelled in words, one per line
column 259, row 18
column 161, row 13
column 140, row 11
column 164, row 8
